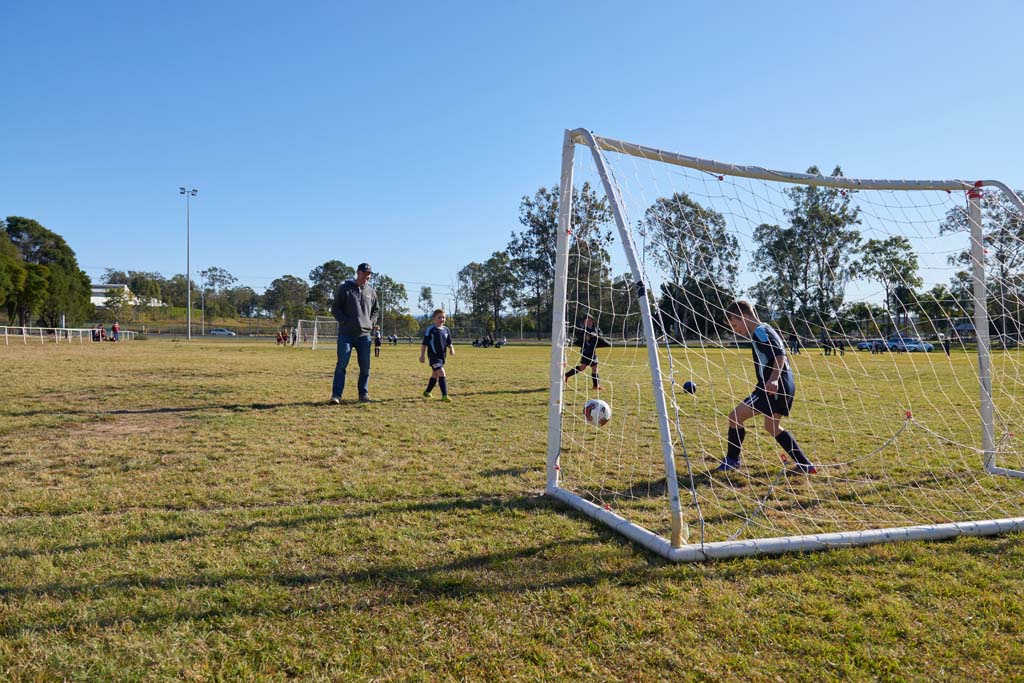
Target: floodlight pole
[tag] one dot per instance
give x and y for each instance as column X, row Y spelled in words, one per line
column 188, row 256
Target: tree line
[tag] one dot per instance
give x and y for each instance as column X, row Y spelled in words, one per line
column 289, row 298
column 804, row 266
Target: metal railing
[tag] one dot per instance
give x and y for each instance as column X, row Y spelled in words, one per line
column 58, row 335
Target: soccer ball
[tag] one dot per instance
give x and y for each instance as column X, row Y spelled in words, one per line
column 690, row 388
column 597, row 412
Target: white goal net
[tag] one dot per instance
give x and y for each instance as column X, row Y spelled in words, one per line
column 900, row 308
column 317, row 334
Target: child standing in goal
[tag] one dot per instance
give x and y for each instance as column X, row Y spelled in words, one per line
column 588, row 352
column 773, row 395
column 436, row 343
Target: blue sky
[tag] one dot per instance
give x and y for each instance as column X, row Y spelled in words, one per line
column 405, row 133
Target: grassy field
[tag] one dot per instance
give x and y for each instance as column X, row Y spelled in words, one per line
column 176, row 511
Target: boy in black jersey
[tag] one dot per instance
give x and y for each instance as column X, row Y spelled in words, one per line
column 773, row 395
column 588, row 354
column 436, row 343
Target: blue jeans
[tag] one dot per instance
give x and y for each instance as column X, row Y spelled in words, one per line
column 345, row 346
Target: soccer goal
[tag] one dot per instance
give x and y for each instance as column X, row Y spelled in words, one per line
column 900, row 302
column 317, row 333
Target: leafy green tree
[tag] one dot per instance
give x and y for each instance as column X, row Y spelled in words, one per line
column 700, row 258
column 864, row 319
column 533, row 250
column 25, row 304
column 146, row 287
column 784, row 271
column 806, row 265
column 68, row 287
column 939, row 307
column 892, row 263
column 325, row 280
column 12, row 270
column 114, row 277
column 1003, row 238
column 470, row 280
column 498, row 286
column 243, row 300
column 823, row 221
column 426, row 300
column 118, row 306
column 284, row 292
column 391, row 297
column 215, row 279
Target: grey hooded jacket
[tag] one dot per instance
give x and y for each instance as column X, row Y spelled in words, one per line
column 355, row 308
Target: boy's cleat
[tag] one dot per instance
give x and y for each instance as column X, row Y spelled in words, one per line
column 335, row 400
column 426, row 394
column 365, row 398
column 446, row 399
column 728, row 465
column 802, row 468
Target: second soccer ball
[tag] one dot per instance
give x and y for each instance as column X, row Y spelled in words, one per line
column 597, row 412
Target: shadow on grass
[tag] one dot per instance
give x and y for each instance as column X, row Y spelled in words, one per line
column 338, row 513
column 239, row 407
column 522, row 568
column 231, row 407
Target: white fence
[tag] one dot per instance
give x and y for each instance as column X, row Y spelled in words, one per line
column 58, row 335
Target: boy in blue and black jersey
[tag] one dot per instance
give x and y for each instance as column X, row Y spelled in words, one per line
column 436, row 343
column 588, row 352
column 773, row 395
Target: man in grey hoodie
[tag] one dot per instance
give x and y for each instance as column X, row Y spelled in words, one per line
column 356, row 310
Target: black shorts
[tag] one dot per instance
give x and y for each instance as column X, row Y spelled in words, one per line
column 778, row 404
column 435, row 362
column 588, row 360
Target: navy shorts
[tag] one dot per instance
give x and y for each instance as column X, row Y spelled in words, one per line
column 779, row 404
column 436, row 363
column 588, row 360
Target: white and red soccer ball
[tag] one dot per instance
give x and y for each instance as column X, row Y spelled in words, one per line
column 597, row 412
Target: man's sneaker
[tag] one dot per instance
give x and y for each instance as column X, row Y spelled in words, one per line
column 446, row 398
column 728, row 465
column 365, row 398
column 335, row 400
column 804, row 468
column 426, row 394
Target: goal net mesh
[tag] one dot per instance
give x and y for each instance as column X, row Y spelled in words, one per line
column 317, row 334
column 867, row 290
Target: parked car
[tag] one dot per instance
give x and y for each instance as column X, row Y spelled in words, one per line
column 908, row 344
column 867, row 344
column 221, row 332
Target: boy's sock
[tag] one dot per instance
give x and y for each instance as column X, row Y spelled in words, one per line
column 571, row 372
column 790, row 445
column 732, row 454
column 443, row 383
column 430, row 384
column 593, row 378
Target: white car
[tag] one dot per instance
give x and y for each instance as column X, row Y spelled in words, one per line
column 221, row 332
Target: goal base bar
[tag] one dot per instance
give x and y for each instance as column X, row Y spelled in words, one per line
column 1004, row 472
column 697, row 552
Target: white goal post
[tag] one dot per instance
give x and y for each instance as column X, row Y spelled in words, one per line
column 926, row 473
column 317, row 333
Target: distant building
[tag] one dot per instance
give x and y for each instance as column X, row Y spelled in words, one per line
column 101, row 292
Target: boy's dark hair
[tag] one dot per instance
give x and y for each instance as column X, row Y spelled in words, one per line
column 436, row 311
column 741, row 308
